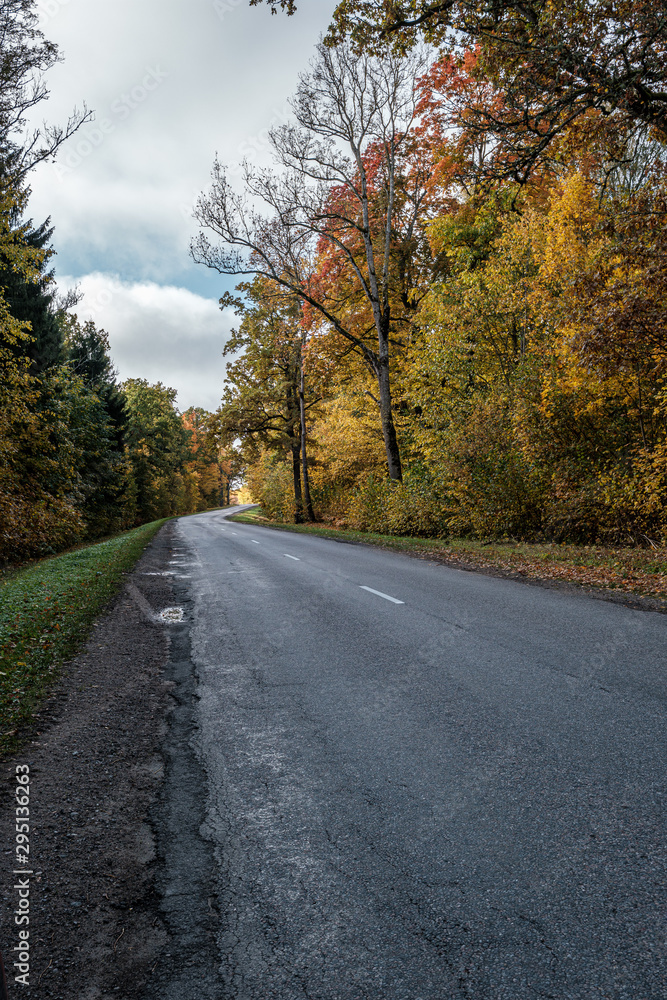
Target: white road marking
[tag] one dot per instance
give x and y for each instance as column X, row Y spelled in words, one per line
column 288, row 556
column 234, row 532
column 254, row 540
column 379, row 593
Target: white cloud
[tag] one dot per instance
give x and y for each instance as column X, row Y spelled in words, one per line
column 161, row 333
column 172, row 82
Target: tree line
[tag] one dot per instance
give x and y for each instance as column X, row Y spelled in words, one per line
column 81, row 454
column 453, row 281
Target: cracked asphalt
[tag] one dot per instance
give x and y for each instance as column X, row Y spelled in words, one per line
column 457, row 796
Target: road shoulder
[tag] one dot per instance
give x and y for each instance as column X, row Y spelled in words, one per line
column 97, row 767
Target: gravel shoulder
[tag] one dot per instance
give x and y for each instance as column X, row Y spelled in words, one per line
column 99, row 759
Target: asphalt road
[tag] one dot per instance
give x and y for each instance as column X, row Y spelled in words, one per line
column 424, row 783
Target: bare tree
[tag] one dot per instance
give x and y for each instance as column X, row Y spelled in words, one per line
column 349, row 188
column 553, row 60
column 25, row 56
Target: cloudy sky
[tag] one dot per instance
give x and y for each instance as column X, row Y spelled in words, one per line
column 171, row 82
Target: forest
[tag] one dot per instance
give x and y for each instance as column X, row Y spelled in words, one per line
column 82, row 455
column 452, row 280
column 451, row 294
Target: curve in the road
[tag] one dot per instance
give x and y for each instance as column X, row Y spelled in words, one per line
column 423, row 782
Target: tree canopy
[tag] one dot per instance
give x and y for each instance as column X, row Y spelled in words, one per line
column 520, row 277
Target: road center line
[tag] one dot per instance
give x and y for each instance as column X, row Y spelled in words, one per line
column 234, row 532
column 254, row 540
column 288, row 556
column 379, row 593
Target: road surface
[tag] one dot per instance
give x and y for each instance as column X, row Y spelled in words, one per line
column 422, row 783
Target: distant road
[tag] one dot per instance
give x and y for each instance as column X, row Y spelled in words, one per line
column 425, row 783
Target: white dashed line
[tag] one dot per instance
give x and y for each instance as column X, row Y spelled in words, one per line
column 287, row 556
column 379, row 593
column 234, row 532
column 254, row 540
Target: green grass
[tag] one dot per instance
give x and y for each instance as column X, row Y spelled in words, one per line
column 46, row 612
column 633, row 570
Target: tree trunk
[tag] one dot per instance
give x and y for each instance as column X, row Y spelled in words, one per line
column 296, row 472
column 304, row 451
column 388, row 429
column 294, row 431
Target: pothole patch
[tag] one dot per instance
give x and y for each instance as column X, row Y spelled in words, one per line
column 170, row 616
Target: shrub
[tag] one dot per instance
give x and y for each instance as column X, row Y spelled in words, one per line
column 270, row 483
column 414, row 507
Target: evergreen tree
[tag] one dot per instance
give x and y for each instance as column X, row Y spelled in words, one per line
column 32, row 300
column 105, row 468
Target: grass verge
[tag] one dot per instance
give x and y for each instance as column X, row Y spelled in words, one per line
column 635, row 571
column 46, row 612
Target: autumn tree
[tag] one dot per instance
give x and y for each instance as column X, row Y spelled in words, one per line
column 62, row 474
column 219, row 446
column 29, row 513
column 619, row 307
column 42, row 419
column 349, row 193
column 265, row 401
column 211, row 466
column 554, row 62
column 156, row 443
